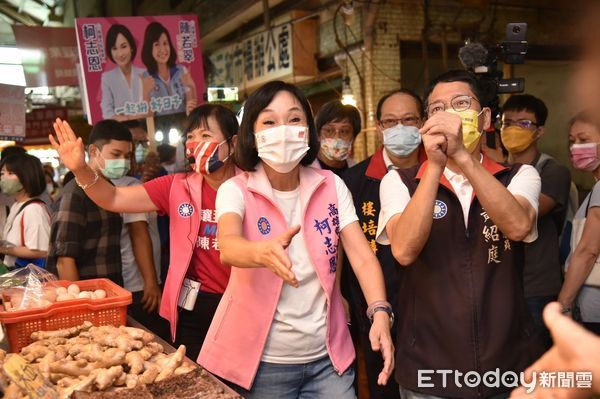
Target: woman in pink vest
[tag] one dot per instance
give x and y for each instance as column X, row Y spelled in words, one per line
column 280, row 330
column 196, row 279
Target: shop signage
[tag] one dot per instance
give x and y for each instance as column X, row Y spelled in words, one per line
column 48, row 55
column 274, row 54
column 12, row 112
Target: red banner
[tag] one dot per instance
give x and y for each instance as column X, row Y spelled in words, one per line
column 49, row 55
column 39, row 124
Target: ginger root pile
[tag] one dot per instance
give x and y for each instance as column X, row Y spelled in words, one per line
column 87, row 358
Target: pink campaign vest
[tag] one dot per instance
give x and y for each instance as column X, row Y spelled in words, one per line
column 237, row 335
column 185, row 201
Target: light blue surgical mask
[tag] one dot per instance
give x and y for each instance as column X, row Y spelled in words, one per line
column 115, row 168
column 140, row 153
column 401, row 140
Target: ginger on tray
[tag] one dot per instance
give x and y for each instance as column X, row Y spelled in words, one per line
column 174, row 361
column 88, row 358
column 64, row 333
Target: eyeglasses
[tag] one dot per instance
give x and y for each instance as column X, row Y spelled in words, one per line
column 407, row 121
column 458, row 103
column 144, row 143
column 524, row 123
column 329, row 132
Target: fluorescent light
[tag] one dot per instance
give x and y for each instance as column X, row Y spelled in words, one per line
column 31, row 56
column 12, row 75
column 10, row 55
column 173, row 136
column 159, row 136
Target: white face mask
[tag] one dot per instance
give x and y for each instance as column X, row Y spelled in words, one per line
column 49, row 188
column 282, row 147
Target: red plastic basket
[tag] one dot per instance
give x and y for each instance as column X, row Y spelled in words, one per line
column 111, row 310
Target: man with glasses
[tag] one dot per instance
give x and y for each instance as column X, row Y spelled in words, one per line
column 399, row 116
column 338, row 125
column 147, row 165
column 523, row 120
column 456, row 223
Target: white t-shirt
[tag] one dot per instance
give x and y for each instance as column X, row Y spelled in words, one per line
column 394, row 196
column 132, row 278
column 36, row 232
column 299, row 329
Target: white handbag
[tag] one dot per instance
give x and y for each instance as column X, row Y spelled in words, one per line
column 578, row 225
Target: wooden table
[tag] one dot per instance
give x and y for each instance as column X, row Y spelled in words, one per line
column 168, row 349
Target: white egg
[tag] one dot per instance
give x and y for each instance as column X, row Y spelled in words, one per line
column 85, row 294
column 73, row 289
column 64, row 297
column 100, row 294
column 61, row 290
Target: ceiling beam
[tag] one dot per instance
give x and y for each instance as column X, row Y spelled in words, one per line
column 16, row 16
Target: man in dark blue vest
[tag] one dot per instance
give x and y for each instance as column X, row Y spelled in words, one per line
column 399, row 116
column 457, row 223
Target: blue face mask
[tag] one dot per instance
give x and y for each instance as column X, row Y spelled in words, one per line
column 401, row 140
column 140, row 153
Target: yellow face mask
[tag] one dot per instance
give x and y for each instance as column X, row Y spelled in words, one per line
column 516, row 138
column 470, row 124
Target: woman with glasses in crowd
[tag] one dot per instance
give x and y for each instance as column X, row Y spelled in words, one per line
column 337, row 126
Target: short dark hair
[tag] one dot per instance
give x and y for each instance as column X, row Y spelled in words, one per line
column 153, row 32
column 12, row 150
column 224, row 116
column 335, row 111
column 29, row 170
column 166, row 152
column 408, row 92
column 529, row 103
column 479, row 88
column 107, row 130
column 111, row 40
column 135, row 123
column 245, row 151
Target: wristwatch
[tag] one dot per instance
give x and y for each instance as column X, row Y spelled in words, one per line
column 380, row 306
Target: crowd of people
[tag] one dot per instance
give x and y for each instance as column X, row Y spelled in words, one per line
column 285, row 258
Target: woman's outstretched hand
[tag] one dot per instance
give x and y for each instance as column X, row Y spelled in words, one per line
column 69, row 147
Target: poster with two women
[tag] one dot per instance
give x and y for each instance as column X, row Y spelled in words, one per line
column 136, row 67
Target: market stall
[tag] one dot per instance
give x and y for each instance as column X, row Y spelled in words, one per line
column 74, row 340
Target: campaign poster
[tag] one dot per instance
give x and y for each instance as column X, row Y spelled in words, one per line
column 136, row 67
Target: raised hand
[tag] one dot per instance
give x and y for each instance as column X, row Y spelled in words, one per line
column 436, row 147
column 69, row 147
column 272, row 255
column 450, row 126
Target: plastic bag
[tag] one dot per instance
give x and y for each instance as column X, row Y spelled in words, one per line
column 28, row 287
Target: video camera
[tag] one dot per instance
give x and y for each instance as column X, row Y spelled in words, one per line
column 475, row 57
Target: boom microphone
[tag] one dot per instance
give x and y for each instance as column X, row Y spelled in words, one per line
column 473, row 56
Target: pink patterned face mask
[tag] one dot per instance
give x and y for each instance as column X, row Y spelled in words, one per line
column 585, row 156
column 336, row 149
